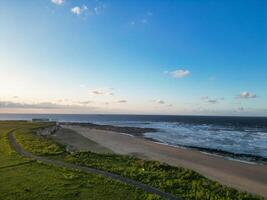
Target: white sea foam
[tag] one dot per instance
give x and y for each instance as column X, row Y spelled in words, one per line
column 252, row 141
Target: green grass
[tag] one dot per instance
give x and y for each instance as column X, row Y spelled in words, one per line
column 38, row 145
column 24, row 179
column 181, row 182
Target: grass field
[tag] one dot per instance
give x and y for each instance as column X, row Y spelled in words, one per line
column 181, row 182
column 23, row 179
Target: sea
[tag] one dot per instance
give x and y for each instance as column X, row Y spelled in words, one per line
column 241, row 138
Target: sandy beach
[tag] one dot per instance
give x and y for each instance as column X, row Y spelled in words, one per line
column 243, row 176
column 76, row 142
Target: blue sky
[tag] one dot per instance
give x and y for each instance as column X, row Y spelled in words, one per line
column 139, row 57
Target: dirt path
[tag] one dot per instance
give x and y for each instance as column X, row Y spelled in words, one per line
column 57, row 163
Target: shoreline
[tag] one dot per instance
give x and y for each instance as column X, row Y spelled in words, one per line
column 239, row 157
column 140, row 132
column 240, row 175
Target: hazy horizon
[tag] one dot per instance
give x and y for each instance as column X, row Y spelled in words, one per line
column 133, row 57
column 126, row 114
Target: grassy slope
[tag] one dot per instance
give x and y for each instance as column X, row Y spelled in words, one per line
column 21, row 178
column 181, row 182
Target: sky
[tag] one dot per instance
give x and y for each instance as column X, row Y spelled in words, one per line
column 134, row 57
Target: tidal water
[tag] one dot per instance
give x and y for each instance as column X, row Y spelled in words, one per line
column 244, row 136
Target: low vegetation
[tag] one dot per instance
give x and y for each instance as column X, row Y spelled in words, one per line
column 179, row 181
column 24, row 179
column 38, row 145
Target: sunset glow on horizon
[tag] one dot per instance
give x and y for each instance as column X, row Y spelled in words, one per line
column 133, row 57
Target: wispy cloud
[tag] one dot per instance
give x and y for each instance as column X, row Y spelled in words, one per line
column 97, row 92
column 180, row 73
column 247, row 95
column 85, row 102
column 210, row 100
column 163, row 103
column 99, row 8
column 45, row 105
column 240, row 109
column 57, row 2
column 160, row 101
column 104, row 91
column 122, row 101
column 42, row 105
column 143, row 20
column 212, row 78
column 205, row 98
column 149, row 14
column 213, row 101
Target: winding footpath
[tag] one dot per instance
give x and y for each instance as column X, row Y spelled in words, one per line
column 57, row 163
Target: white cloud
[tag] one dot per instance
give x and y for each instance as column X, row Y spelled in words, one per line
column 58, row 2
column 96, row 9
column 180, row 73
column 247, row 95
column 77, row 10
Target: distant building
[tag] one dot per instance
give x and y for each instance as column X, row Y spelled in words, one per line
column 48, row 130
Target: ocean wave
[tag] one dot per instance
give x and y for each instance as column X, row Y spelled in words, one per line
column 229, row 139
column 248, row 143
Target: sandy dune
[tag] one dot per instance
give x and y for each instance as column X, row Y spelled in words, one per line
column 243, row 176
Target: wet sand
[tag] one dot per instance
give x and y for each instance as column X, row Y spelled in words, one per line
column 243, row 176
